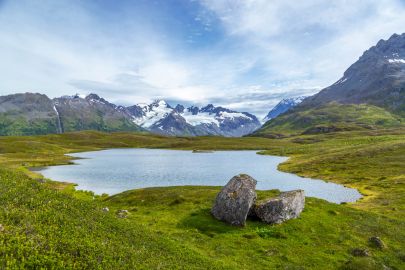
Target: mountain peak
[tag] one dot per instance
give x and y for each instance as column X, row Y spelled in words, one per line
column 179, row 108
column 386, row 48
column 290, row 100
column 91, row 96
column 159, row 103
column 193, row 109
column 208, row 108
column 94, row 98
column 283, row 106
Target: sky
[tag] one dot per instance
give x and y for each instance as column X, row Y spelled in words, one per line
column 246, row 55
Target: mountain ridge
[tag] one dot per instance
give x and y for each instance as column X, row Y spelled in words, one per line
column 35, row 113
column 160, row 117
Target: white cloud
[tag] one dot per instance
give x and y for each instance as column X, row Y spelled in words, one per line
column 304, row 39
column 165, row 74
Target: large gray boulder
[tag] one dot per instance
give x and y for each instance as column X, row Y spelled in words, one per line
column 286, row 206
column 234, row 201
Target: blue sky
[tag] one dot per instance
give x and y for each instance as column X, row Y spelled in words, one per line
column 246, row 55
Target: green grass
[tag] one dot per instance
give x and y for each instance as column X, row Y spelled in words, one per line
column 172, row 228
column 48, row 229
column 320, row 239
column 18, row 125
column 333, row 115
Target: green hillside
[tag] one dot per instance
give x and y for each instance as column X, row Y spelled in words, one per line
column 11, row 125
column 332, row 117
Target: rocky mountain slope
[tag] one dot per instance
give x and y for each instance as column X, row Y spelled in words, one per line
column 92, row 113
column 370, row 95
column 32, row 114
column 377, row 78
column 283, row 106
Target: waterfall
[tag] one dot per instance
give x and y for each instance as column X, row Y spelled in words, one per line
column 59, row 126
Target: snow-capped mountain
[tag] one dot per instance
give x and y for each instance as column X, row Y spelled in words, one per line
column 159, row 117
column 150, row 114
column 283, row 106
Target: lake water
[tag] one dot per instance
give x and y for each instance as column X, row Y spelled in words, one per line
column 116, row 170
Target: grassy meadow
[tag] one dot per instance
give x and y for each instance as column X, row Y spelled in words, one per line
column 339, row 117
column 50, row 225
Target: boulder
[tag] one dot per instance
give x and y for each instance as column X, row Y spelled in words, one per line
column 377, row 242
column 235, row 199
column 286, row 206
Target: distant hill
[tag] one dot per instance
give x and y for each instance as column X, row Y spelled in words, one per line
column 371, row 94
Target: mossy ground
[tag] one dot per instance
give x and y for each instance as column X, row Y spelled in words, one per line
column 50, row 224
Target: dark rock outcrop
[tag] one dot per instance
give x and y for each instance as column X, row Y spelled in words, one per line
column 286, row 206
column 233, row 203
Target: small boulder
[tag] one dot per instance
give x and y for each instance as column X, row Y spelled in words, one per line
column 286, row 206
column 106, row 209
column 360, row 252
column 377, row 242
column 235, row 199
column 122, row 213
column 2, row 229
